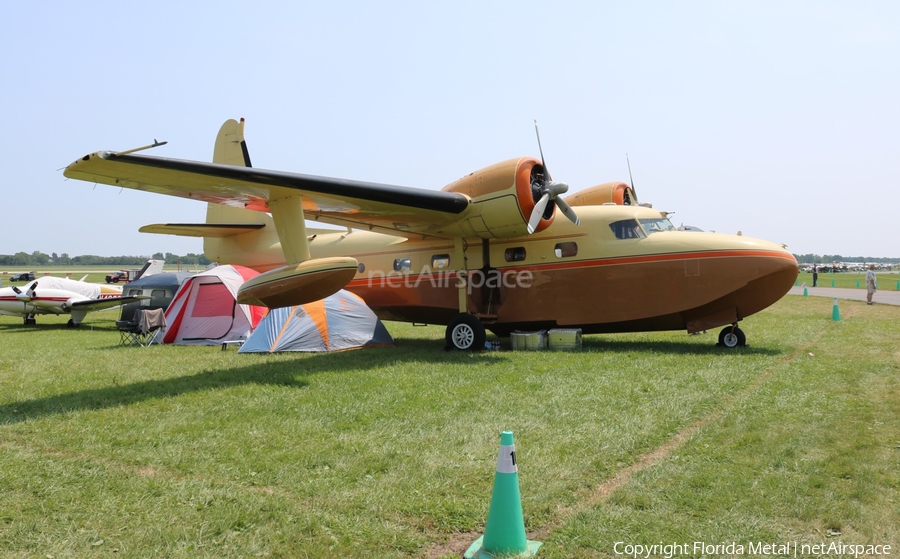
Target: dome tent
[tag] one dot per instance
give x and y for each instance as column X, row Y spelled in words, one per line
column 338, row 322
column 205, row 310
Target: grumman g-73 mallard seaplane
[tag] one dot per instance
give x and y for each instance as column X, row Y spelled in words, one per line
column 488, row 251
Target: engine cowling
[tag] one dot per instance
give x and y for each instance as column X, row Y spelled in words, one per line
column 615, row 192
column 67, row 306
column 503, row 198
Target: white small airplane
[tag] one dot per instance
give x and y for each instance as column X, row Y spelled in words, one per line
column 53, row 295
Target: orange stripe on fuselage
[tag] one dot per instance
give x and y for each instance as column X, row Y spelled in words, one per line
column 653, row 258
column 647, row 258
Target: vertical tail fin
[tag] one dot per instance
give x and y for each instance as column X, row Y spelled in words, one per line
column 231, row 149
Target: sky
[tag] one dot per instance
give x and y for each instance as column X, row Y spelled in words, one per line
column 777, row 119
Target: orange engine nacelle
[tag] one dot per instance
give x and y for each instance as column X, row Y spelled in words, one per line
column 505, row 195
column 617, row 193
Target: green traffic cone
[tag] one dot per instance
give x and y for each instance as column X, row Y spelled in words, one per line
column 832, row 282
column 835, row 311
column 504, row 532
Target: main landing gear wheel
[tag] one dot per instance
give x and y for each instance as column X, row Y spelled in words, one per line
column 71, row 324
column 732, row 336
column 465, row 333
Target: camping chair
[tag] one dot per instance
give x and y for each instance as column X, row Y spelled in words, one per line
column 143, row 329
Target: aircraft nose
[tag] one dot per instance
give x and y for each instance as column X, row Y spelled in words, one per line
column 774, row 271
column 21, row 297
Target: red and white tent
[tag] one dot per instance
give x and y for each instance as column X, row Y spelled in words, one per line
column 205, row 311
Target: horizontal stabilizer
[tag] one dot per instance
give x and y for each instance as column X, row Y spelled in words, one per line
column 298, row 284
column 217, row 230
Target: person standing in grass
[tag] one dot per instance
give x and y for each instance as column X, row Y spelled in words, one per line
column 815, row 275
column 871, row 284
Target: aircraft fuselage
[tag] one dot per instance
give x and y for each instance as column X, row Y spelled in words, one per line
column 597, row 276
column 38, row 297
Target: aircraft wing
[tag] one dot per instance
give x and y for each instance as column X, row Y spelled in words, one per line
column 364, row 205
column 107, row 303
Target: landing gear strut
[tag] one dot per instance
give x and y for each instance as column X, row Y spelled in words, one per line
column 732, row 336
column 465, row 333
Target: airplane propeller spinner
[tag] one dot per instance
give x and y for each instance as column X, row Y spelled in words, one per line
column 549, row 190
column 25, row 297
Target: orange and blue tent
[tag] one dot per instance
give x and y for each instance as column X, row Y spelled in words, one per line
column 338, row 322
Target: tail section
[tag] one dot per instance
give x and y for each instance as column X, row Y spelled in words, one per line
column 276, row 245
column 150, row 268
column 231, row 148
column 254, row 241
column 231, row 235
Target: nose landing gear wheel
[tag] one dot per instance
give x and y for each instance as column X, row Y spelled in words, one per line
column 465, row 333
column 732, row 336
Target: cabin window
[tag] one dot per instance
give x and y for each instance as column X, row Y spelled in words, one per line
column 134, row 292
column 402, row 265
column 565, row 250
column 158, row 297
column 361, row 268
column 440, row 261
column 514, row 254
column 627, row 229
column 655, row 225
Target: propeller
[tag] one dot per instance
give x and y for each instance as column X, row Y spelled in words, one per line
column 25, row 297
column 549, row 190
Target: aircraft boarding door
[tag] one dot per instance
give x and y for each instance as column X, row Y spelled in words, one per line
column 484, row 284
column 210, row 313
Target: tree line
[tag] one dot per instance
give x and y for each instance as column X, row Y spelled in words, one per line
column 830, row 258
column 38, row 258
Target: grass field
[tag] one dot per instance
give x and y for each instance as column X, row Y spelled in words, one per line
column 168, row 451
column 889, row 281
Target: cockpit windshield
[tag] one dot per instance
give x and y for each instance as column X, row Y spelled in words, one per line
column 658, row 224
column 627, row 229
